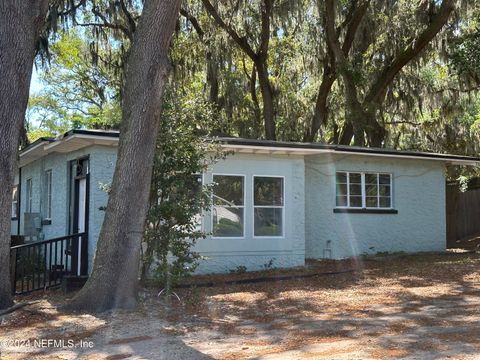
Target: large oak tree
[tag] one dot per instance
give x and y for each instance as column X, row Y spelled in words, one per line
column 21, row 23
column 114, row 279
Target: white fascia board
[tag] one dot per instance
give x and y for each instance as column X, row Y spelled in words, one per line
column 40, row 144
column 312, row 151
column 114, row 140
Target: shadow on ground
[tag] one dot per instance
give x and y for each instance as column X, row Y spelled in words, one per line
column 393, row 307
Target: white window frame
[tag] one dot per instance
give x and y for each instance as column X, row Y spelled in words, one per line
column 363, row 191
column 48, row 193
column 268, row 206
column 15, row 202
column 239, row 206
column 28, row 195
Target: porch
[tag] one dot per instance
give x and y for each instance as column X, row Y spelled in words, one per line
column 44, row 264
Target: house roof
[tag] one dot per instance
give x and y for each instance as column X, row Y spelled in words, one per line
column 286, row 147
column 77, row 139
column 70, row 141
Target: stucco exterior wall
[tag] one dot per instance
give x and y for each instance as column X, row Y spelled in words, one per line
column 102, row 164
column 418, row 195
column 225, row 254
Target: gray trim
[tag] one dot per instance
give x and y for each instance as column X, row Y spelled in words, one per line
column 364, row 211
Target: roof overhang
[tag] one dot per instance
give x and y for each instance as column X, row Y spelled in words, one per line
column 70, row 141
column 306, row 149
column 78, row 139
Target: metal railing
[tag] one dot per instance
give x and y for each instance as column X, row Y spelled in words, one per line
column 43, row 264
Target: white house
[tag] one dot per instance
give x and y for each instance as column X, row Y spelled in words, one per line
column 274, row 202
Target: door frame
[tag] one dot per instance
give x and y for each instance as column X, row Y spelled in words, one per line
column 79, row 267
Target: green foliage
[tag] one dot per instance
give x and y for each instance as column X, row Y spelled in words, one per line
column 177, row 197
column 226, row 227
column 75, row 93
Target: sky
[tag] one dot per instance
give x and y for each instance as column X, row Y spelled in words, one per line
column 35, row 84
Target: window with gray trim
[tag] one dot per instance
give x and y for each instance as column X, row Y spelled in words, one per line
column 363, row 190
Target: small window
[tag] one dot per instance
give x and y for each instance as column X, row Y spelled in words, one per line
column 48, row 194
column 28, row 196
column 363, row 190
column 15, row 202
column 228, row 206
column 268, row 206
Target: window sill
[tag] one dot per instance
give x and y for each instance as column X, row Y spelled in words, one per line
column 365, row 211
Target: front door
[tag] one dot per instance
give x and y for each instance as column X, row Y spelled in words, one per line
column 79, row 220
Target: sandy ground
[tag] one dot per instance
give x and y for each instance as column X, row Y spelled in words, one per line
column 415, row 307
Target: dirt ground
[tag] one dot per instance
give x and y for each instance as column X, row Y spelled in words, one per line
column 416, row 307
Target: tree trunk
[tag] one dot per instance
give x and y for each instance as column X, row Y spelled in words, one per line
column 267, row 100
column 257, row 126
column 320, row 113
column 114, row 279
column 20, row 24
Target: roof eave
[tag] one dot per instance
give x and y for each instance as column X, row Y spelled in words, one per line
column 304, row 151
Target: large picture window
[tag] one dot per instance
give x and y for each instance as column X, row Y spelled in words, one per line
column 228, row 205
column 363, row 190
column 268, row 206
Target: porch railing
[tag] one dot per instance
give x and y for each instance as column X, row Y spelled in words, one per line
column 43, row 264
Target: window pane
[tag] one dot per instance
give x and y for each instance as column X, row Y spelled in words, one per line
column 355, row 178
column 14, row 201
column 384, row 179
column 384, row 190
column 372, row 201
column 341, row 178
column 341, row 189
column 228, row 190
column 355, row 189
column 385, row 202
column 342, row 201
column 371, row 179
column 371, row 190
column 227, row 221
column 355, row 201
column 268, row 191
column 268, row 221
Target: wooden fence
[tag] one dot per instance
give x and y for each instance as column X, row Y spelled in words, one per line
column 463, row 216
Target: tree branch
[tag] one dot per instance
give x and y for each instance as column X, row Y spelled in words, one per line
column 266, row 9
column 131, row 22
column 240, row 41
column 193, row 20
column 377, row 90
column 109, row 25
column 353, row 25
